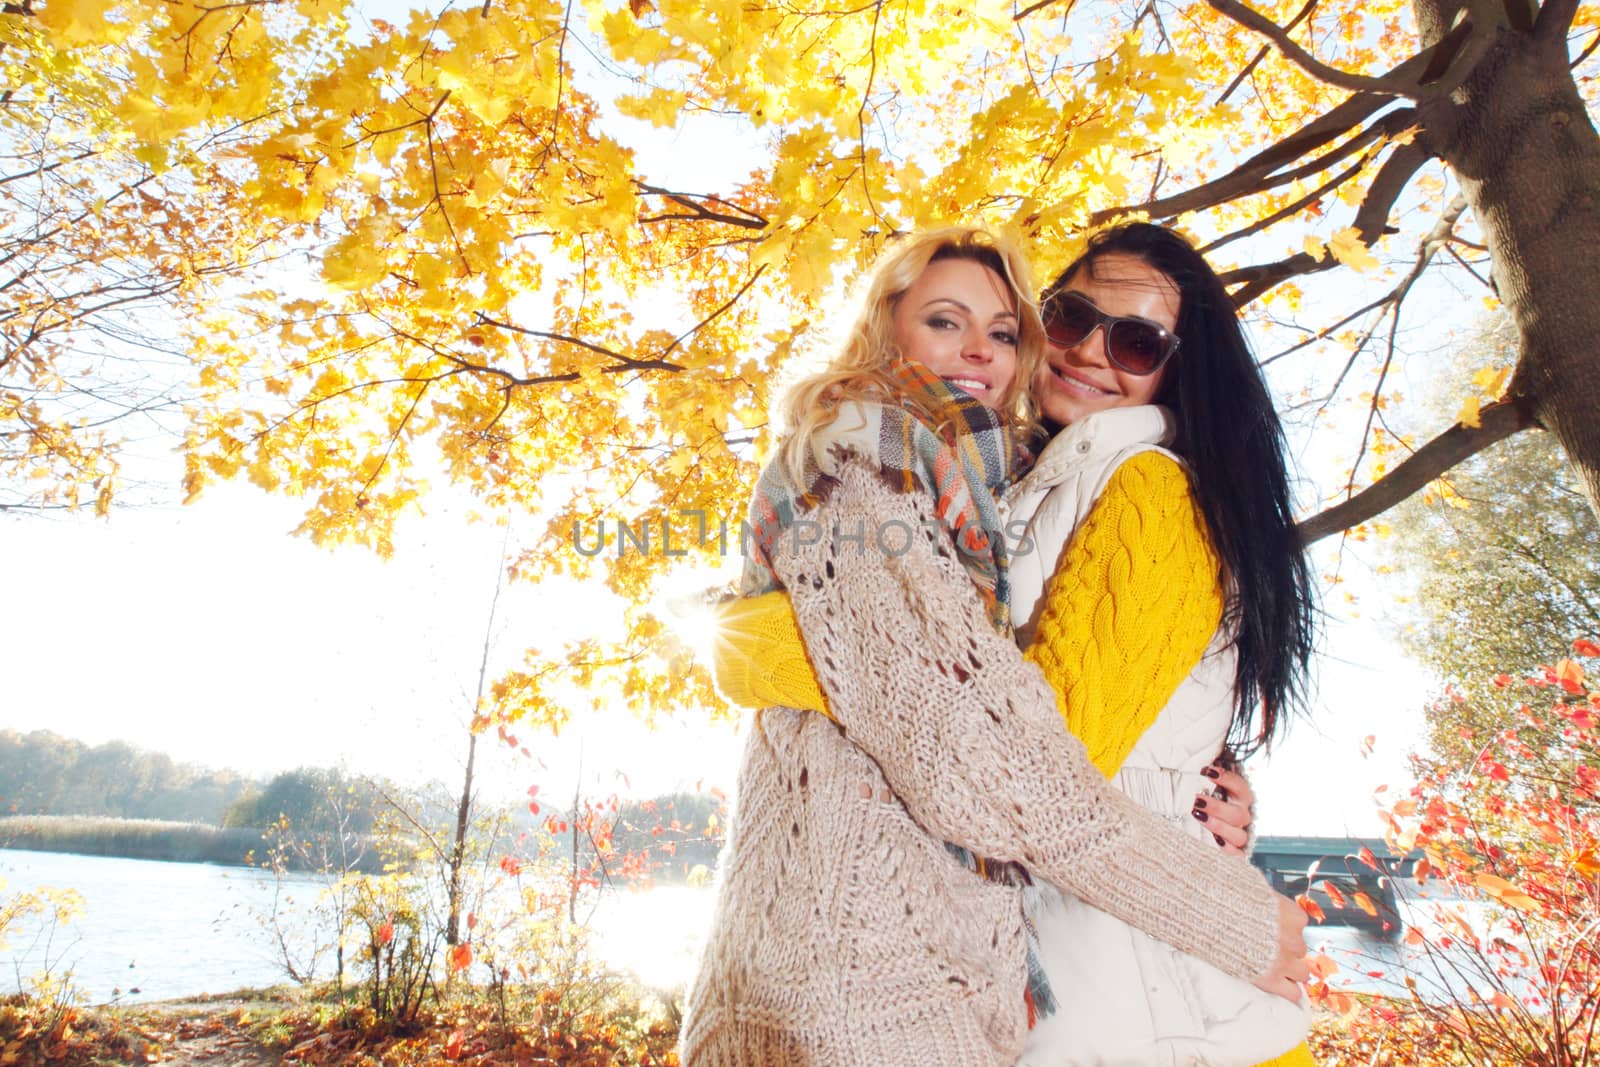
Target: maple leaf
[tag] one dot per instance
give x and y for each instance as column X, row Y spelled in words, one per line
column 460, row 957
column 1569, row 674
column 1348, row 248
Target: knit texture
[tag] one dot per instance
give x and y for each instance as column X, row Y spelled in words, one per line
column 758, row 657
column 1134, row 602
column 844, row 932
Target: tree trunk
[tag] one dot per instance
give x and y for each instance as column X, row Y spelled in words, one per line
column 458, row 850
column 1518, row 137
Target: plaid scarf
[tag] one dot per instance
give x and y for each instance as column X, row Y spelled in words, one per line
column 965, row 463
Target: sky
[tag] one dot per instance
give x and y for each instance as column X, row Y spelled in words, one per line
column 213, row 634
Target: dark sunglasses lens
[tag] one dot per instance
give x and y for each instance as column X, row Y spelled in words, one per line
column 1069, row 321
column 1137, row 347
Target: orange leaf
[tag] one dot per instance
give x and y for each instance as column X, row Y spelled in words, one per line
column 1504, row 891
column 460, row 957
column 1570, row 674
column 1335, row 897
column 452, row 1044
column 385, row 933
column 1322, row 966
column 1366, row 856
column 1310, row 907
column 1585, row 647
column 1364, row 902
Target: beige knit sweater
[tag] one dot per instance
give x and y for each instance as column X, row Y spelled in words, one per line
column 845, row 933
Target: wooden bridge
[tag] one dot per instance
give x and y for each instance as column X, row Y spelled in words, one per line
column 1339, row 878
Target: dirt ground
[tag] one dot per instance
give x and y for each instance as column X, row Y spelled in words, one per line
column 199, row 1033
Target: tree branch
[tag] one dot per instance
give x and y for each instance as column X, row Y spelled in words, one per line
column 1040, row 5
column 1497, row 422
column 1289, row 209
column 1386, row 85
column 1261, row 53
column 1555, row 19
column 746, row 219
column 1370, row 221
column 1252, row 175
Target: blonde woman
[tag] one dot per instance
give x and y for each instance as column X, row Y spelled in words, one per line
column 870, row 899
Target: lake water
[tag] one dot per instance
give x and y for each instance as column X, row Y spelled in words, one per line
column 156, row 931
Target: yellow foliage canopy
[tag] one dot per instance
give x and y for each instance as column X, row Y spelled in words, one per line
column 431, row 246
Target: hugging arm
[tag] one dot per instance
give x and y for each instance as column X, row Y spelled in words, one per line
column 967, row 734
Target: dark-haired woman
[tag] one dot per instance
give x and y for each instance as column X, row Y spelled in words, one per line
column 1158, row 516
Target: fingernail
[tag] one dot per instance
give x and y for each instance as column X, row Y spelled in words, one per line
column 1199, row 802
column 1217, row 838
column 1211, row 772
column 1197, row 813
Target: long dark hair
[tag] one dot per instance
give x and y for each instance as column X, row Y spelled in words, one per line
column 1230, row 436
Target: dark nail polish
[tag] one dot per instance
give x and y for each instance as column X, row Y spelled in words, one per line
column 1211, row 772
column 1197, row 813
column 1217, row 838
column 1199, row 802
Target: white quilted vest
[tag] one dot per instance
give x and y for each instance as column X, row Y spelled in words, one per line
column 1123, row 998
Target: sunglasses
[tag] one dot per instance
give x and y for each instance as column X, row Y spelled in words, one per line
column 1137, row 346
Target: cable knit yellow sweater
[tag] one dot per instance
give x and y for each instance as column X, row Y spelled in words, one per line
column 1133, row 605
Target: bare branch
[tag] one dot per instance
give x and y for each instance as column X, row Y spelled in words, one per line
column 1497, row 422
column 1290, row 209
column 1039, row 6
column 691, row 201
column 1255, row 174
column 703, row 323
column 1371, row 219
column 1386, row 85
column 1261, row 53
column 1588, row 50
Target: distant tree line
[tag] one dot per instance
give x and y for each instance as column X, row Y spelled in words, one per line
column 70, row 796
column 43, row 773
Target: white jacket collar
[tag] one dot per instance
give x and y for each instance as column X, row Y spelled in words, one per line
column 1109, row 430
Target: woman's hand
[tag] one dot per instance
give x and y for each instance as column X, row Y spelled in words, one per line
column 1291, row 967
column 1228, row 816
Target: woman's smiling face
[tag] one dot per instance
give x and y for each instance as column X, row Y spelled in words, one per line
column 1080, row 380
column 958, row 320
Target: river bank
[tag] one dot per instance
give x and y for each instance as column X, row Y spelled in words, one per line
column 151, row 839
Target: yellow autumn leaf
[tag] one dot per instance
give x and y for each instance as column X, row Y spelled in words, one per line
column 1468, row 415
column 1491, row 380
column 659, row 107
column 1348, row 248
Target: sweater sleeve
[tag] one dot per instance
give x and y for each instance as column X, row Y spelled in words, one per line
column 1133, row 604
column 966, row 734
column 758, row 657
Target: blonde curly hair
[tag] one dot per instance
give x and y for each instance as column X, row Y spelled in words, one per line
column 859, row 369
